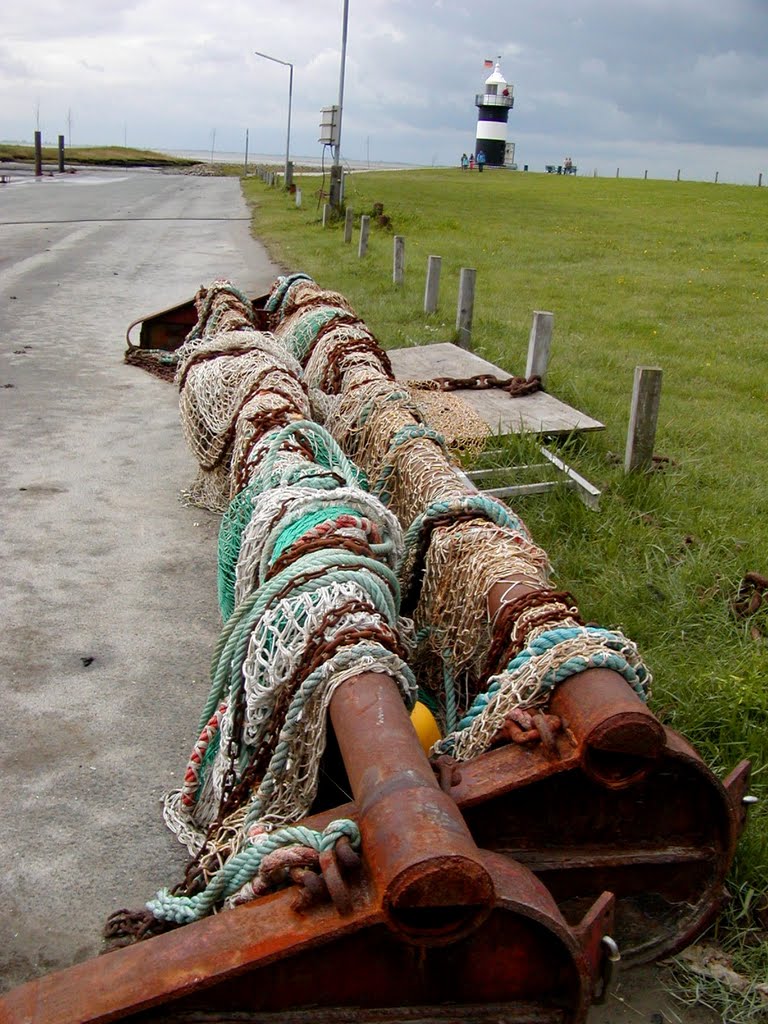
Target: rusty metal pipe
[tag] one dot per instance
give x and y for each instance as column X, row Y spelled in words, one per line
column 619, row 738
column 431, row 880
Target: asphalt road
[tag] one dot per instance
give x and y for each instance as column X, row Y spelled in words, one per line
column 108, row 595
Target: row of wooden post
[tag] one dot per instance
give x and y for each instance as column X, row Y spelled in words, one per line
column 271, row 178
column 39, row 154
column 646, row 391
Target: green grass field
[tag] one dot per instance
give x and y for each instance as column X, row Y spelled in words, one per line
column 103, row 156
column 636, row 273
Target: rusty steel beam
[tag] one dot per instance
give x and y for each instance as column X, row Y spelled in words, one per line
column 422, row 858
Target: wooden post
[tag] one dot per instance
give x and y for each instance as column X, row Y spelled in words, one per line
column 298, row 197
column 465, row 307
column 38, row 154
column 539, row 344
column 760, row 180
column 432, row 287
column 61, row 154
column 398, row 260
column 326, row 214
column 641, row 436
column 365, row 227
column 617, row 172
column 717, row 175
column 645, row 176
column 678, row 174
column 349, row 223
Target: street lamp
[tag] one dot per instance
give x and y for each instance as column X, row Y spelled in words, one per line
column 286, row 64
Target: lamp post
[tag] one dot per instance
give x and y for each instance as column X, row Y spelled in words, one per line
column 337, row 186
column 286, row 64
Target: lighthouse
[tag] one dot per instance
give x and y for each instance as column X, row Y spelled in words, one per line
column 493, row 106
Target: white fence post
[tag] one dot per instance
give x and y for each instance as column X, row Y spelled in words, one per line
column 644, row 414
column 398, row 260
column 432, row 287
column 365, row 227
column 539, row 344
column 465, row 306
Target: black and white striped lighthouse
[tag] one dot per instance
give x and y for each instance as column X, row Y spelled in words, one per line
column 493, row 106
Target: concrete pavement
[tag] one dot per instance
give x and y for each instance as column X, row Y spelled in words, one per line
column 108, row 594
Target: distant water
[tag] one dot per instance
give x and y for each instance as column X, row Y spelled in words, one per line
column 204, row 157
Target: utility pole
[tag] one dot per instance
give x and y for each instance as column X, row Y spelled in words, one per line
column 336, row 173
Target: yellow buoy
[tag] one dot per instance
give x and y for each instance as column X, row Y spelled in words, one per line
column 427, row 729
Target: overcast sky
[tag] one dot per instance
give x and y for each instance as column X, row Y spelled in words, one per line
column 635, row 84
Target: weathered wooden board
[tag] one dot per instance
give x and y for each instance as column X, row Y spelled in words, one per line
column 537, row 414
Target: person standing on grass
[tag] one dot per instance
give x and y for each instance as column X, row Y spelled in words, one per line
column 471, row 161
column 464, row 161
column 480, row 160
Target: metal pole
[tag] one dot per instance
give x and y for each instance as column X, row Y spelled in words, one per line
column 245, row 166
column 286, row 64
column 345, row 16
column 288, row 136
column 336, row 175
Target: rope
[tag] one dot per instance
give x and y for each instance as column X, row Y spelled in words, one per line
column 244, row 866
column 548, row 659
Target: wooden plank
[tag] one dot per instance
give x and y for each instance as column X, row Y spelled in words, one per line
column 539, row 413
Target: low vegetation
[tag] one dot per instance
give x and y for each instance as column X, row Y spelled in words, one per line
column 636, row 273
column 102, row 156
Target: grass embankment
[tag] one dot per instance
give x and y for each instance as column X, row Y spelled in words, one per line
column 636, row 273
column 102, row 156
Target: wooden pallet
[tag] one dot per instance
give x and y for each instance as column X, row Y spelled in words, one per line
column 541, row 414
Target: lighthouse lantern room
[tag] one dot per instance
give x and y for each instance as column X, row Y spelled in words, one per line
column 493, row 106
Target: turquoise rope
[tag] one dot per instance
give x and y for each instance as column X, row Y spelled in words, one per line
column 484, row 507
column 244, row 866
column 408, row 433
column 293, row 531
column 326, row 451
column 449, row 685
column 281, row 288
column 233, row 522
column 378, row 580
column 332, row 461
column 637, row 676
